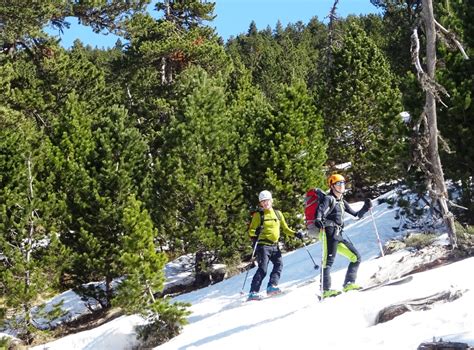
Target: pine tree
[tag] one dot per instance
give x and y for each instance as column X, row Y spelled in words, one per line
column 248, row 107
column 291, row 150
column 144, row 278
column 23, row 21
column 187, row 13
column 159, row 51
column 31, row 206
column 97, row 183
column 362, row 107
column 165, row 47
column 199, row 186
column 282, row 148
column 31, row 253
column 282, row 57
column 143, row 266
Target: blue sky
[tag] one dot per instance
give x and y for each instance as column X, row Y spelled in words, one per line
column 234, row 17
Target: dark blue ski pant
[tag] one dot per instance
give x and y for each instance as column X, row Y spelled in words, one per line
column 265, row 254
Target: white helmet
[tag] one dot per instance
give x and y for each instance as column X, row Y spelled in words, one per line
column 264, row 195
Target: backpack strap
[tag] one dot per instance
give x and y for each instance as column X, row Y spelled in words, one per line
column 262, row 218
column 279, row 217
column 332, row 205
column 260, row 227
column 278, row 214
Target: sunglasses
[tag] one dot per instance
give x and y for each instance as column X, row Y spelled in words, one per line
column 340, row 183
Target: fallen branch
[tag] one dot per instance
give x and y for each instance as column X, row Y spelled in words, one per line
column 443, row 345
column 390, row 312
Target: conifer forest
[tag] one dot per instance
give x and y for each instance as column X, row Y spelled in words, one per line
column 114, row 161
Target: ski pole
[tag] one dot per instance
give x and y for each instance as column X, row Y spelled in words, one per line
column 322, row 239
column 376, row 232
column 251, row 258
column 314, row 262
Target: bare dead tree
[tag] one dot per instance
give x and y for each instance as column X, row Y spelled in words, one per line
column 165, row 71
column 427, row 133
column 27, row 308
column 331, row 33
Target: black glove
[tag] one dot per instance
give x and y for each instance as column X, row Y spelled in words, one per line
column 365, row 208
column 300, row 234
column 254, row 241
column 368, row 203
column 319, row 224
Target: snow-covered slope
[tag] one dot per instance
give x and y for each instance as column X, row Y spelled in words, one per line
column 297, row 320
column 222, row 320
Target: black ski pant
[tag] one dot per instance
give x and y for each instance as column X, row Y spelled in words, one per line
column 265, row 254
column 334, row 243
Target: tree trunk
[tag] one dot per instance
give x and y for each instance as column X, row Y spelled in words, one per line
column 430, row 111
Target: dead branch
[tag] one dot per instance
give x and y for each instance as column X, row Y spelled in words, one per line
column 427, row 84
column 425, row 303
column 445, row 145
column 457, row 205
column 332, row 14
column 415, row 52
column 450, row 37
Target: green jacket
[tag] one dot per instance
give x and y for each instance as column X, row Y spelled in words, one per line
column 271, row 227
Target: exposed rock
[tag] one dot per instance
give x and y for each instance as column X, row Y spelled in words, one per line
column 218, row 273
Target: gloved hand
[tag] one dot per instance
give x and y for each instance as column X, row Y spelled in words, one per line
column 319, row 224
column 368, row 203
column 300, row 234
column 254, row 241
column 365, row 208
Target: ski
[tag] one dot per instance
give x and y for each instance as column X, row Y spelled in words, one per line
column 320, row 298
column 269, row 296
column 307, row 282
column 393, row 282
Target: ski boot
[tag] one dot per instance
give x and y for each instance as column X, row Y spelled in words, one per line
column 351, row 286
column 254, row 296
column 273, row 290
column 330, row 293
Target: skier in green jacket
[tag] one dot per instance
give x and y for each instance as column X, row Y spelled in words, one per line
column 264, row 231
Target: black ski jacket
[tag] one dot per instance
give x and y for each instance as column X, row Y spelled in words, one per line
column 335, row 217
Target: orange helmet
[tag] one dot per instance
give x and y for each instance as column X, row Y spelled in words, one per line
column 335, row 178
